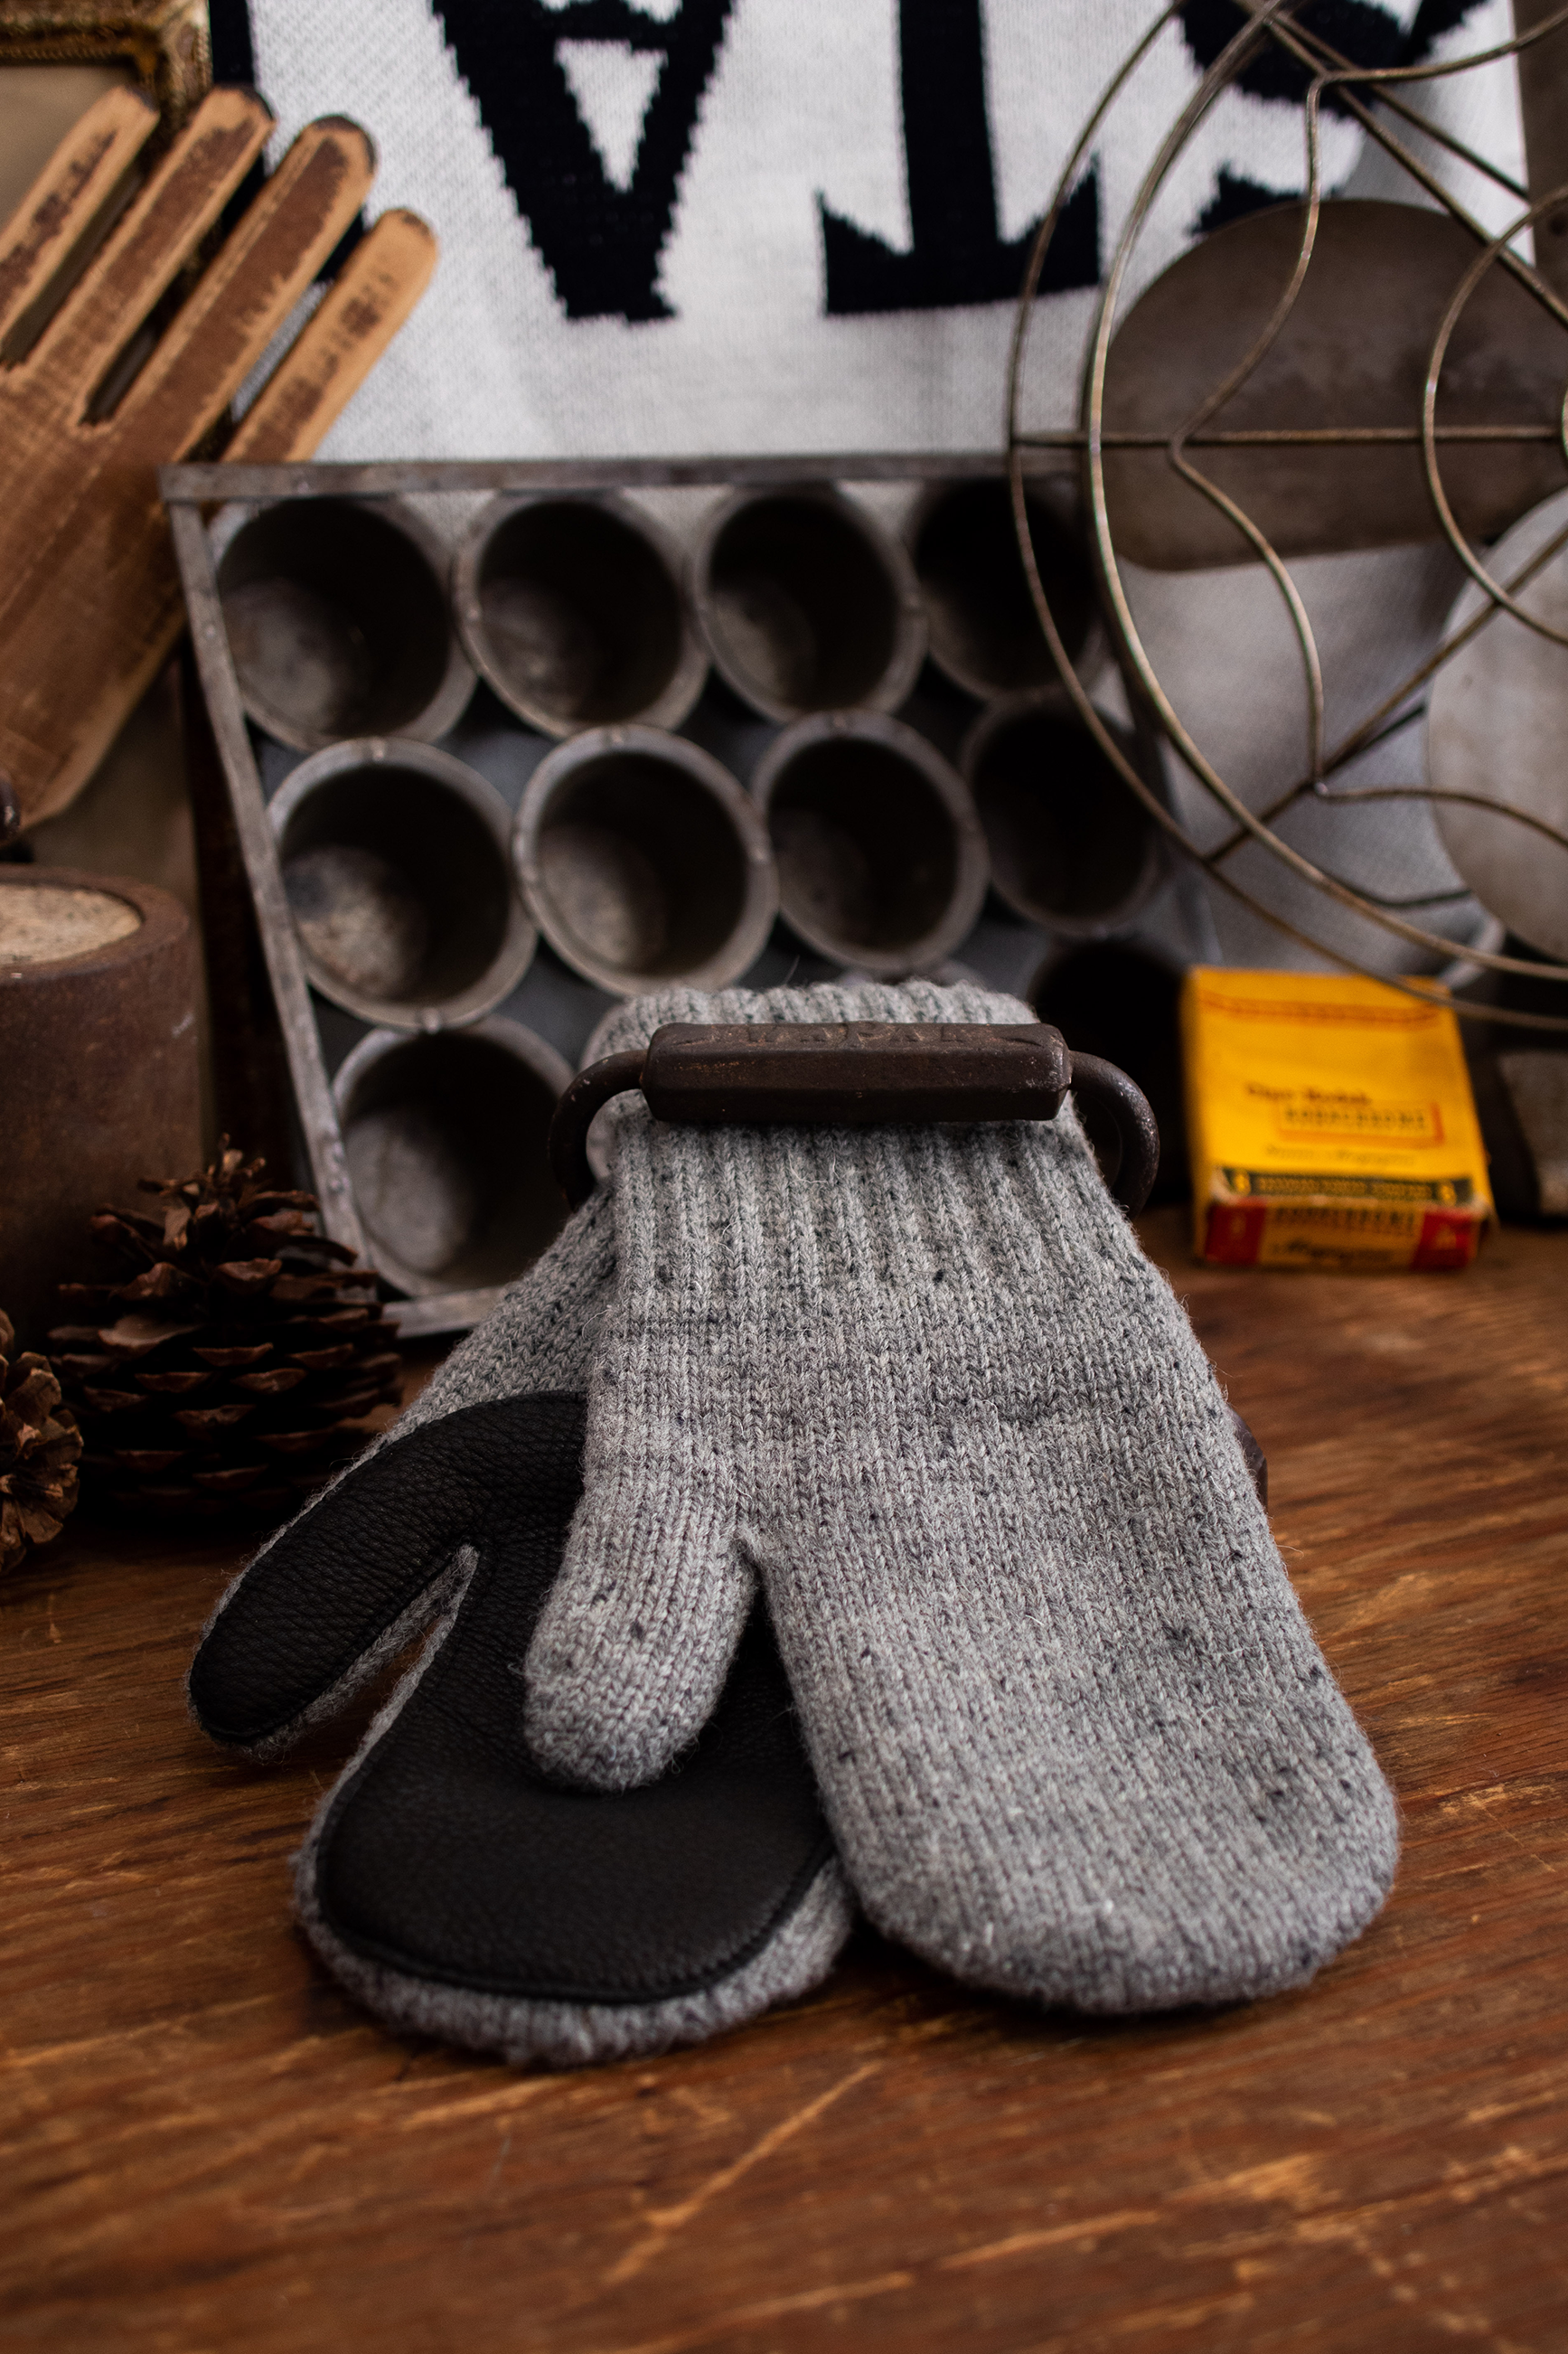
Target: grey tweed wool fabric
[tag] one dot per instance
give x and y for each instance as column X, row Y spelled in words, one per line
column 1072, row 1731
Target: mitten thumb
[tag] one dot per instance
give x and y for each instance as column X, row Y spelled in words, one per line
column 633, row 1646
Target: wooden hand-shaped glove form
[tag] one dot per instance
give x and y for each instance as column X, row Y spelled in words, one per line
column 89, row 599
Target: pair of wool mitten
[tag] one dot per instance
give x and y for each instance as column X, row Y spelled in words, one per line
column 911, row 1405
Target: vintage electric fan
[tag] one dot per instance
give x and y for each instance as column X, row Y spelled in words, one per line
column 1323, row 377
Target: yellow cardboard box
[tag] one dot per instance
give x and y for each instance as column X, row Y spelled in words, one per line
column 1331, row 1124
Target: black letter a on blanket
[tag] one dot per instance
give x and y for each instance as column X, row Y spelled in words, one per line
column 956, row 255
column 601, row 243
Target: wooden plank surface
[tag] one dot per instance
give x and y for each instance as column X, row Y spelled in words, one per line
column 206, row 2147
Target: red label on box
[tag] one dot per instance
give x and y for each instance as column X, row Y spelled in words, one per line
column 1235, row 1233
column 1448, row 1238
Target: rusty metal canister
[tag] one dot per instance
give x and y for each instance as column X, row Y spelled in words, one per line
column 985, row 634
column 338, row 620
column 1072, row 846
column 445, row 1136
column 573, row 608
column 807, row 603
column 99, row 1072
column 397, row 862
column 882, row 862
column 643, row 861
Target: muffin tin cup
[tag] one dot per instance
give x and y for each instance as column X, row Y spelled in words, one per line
column 881, row 858
column 984, row 634
column 338, row 622
column 396, row 863
column 444, row 1137
column 573, row 607
column 644, row 862
column 806, row 603
column 1072, row 847
column 1121, row 1000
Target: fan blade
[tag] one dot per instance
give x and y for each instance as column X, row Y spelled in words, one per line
column 1352, row 356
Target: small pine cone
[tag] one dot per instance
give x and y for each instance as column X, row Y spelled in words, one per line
column 223, row 1368
column 39, row 1444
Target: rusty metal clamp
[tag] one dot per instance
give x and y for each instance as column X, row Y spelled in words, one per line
column 856, row 1075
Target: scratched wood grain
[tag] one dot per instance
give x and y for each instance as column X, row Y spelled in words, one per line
column 207, row 2148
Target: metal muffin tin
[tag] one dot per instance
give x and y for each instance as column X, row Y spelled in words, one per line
column 397, row 866
column 1070, row 845
column 882, row 863
column 574, row 608
column 338, row 620
column 807, row 603
column 445, row 1139
column 687, row 730
column 645, row 861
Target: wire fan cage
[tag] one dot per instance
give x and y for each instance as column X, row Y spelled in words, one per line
column 1374, row 98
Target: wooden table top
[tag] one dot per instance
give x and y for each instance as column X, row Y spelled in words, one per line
column 208, row 2147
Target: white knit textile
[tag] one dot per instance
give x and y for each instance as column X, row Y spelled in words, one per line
column 803, row 109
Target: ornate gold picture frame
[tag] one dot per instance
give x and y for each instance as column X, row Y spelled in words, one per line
column 58, row 55
column 161, row 45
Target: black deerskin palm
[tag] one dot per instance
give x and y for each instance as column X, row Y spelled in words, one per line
column 446, row 1854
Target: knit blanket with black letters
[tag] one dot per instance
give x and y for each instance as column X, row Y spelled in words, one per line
column 745, row 225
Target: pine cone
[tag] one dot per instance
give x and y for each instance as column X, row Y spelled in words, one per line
column 221, row 1371
column 39, row 1444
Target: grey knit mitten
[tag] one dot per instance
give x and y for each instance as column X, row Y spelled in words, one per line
column 1071, row 1730
column 446, row 1882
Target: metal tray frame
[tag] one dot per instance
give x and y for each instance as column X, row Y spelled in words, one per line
column 191, row 492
